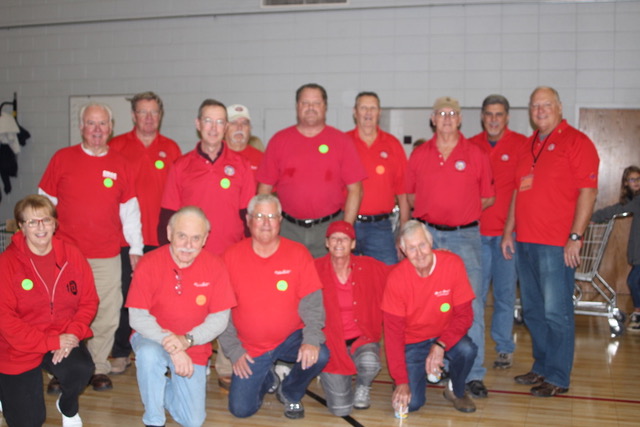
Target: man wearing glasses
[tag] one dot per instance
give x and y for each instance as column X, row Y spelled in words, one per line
column 179, row 302
column 449, row 183
column 279, row 315
column 150, row 155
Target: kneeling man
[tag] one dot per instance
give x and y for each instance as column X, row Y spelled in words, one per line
column 427, row 313
column 178, row 303
column 279, row 315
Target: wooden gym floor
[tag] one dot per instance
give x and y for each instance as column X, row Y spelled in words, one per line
column 603, row 393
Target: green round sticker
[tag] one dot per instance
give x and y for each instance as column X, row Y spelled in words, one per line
column 445, row 307
column 324, row 148
column 108, row 182
column 27, row 284
column 159, row 164
column 225, row 183
column 282, row 285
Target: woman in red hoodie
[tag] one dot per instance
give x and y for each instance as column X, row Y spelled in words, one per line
column 47, row 302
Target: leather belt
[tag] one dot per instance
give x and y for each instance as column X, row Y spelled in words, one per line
column 448, row 227
column 372, row 218
column 308, row 223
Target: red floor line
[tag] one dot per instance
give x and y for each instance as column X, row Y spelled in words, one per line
column 526, row 393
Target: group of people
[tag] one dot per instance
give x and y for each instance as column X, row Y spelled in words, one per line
column 226, row 258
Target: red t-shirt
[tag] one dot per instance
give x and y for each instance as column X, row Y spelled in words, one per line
column 221, row 189
column 504, row 159
column 90, row 190
column 344, row 291
column 205, row 290
column 567, row 161
column 253, row 155
column 311, row 173
column 268, row 291
column 426, row 302
column 150, row 167
column 449, row 192
column 385, row 163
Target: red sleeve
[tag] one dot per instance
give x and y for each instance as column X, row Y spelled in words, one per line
column 461, row 320
column 49, row 180
column 171, row 194
column 394, row 347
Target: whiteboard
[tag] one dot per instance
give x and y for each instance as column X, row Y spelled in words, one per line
column 119, row 104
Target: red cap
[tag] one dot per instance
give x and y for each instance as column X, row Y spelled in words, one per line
column 341, row 227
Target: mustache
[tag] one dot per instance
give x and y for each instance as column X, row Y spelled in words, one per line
column 187, row 250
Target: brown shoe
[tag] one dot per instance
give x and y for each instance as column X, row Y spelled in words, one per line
column 101, row 382
column 547, row 390
column 54, row 386
column 462, row 404
column 530, row 378
column 119, row 365
column 225, row 383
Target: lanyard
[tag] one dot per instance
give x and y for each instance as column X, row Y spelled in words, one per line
column 544, row 144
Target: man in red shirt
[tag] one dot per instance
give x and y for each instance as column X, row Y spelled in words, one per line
column 150, row 155
column 313, row 166
column 239, row 133
column 93, row 189
column 502, row 145
column 279, row 315
column 427, row 313
column 385, row 162
column 556, row 186
column 449, row 183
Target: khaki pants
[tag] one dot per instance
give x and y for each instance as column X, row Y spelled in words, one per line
column 106, row 273
column 223, row 364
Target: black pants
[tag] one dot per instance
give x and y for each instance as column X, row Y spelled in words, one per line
column 121, row 345
column 22, row 395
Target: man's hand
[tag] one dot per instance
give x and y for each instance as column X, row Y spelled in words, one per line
column 572, row 253
column 173, row 343
column 241, row 368
column 401, row 396
column 308, row 355
column 183, row 364
column 434, row 363
column 133, row 259
column 508, row 248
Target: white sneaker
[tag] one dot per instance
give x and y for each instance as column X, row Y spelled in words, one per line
column 361, row 398
column 74, row 421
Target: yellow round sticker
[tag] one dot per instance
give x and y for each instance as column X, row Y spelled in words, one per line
column 324, row 148
column 201, row 300
column 445, row 307
column 379, row 169
column 282, row 285
column 225, row 183
column 159, row 164
column 27, row 284
column 108, row 182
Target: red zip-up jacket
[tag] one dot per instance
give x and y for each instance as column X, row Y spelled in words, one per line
column 33, row 313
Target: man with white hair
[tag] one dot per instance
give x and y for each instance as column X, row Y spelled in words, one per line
column 239, row 133
column 427, row 313
column 93, row 190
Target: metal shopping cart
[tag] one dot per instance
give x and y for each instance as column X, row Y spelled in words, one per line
column 605, row 303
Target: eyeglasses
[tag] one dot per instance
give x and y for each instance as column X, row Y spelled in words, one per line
column 444, row 114
column 178, row 286
column 33, row 223
column 633, row 180
column 153, row 113
column 210, row 121
column 269, row 217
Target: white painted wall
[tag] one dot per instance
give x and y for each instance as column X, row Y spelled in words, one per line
column 410, row 52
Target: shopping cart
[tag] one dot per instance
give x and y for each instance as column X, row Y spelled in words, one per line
column 605, row 304
column 5, row 237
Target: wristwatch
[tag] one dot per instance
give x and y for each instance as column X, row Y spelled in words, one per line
column 189, row 339
column 575, row 237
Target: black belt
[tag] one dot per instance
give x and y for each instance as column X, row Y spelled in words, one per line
column 308, row 223
column 372, row 218
column 448, row 227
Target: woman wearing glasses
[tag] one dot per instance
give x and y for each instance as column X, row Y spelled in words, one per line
column 47, row 302
column 629, row 202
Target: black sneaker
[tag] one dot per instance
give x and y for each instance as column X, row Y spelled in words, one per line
column 477, row 389
column 292, row 410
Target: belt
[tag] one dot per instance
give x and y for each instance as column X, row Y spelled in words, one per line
column 448, row 227
column 308, row 223
column 372, row 218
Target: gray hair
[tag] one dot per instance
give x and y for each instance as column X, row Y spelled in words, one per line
column 105, row 107
column 411, row 227
column 550, row 89
column 496, row 99
column 263, row 199
column 190, row 210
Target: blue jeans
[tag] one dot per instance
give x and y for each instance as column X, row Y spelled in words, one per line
column 460, row 357
column 501, row 273
column 467, row 245
column 183, row 397
column 376, row 239
column 633, row 281
column 246, row 394
column 546, row 291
